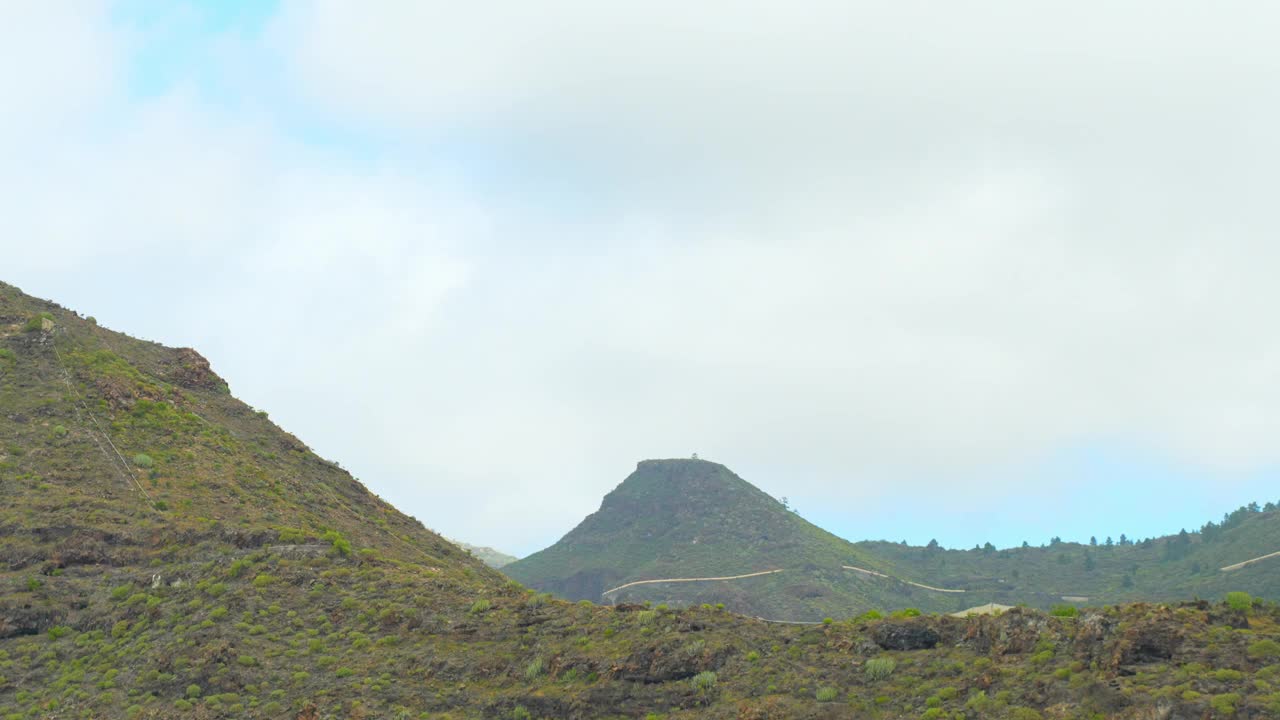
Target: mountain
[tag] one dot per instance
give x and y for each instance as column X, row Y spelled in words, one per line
column 687, row 519
column 487, row 555
column 168, row 552
column 696, row 519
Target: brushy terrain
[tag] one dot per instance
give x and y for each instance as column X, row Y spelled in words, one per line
column 691, row 518
column 169, row 553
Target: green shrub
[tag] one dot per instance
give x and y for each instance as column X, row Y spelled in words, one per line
column 194, row 691
column 340, row 544
column 479, row 606
column 703, row 681
column 36, row 322
column 826, row 694
column 1239, row 600
column 753, row 656
column 182, row 705
column 292, row 536
column 879, row 668
column 534, row 669
column 978, row 701
column 906, row 613
column 263, row 580
column 143, row 460
column 247, row 660
column 1264, row 650
column 1228, row 675
column 1225, row 704
column 1065, row 611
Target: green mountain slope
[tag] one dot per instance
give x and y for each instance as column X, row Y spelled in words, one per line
column 170, row 553
column 1159, row 569
column 694, row 519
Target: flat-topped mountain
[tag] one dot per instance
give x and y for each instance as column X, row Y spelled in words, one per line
column 686, row 519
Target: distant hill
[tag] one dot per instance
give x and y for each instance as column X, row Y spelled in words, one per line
column 684, row 519
column 487, row 555
column 1183, row 565
column 166, row 551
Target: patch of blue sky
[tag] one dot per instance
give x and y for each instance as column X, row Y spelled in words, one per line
column 1096, row 490
column 214, row 49
column 174, row 40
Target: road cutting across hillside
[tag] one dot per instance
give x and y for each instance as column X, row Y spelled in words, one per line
column 865, row 571
column 1246, row 563
column 771, row 572
column 687, row 580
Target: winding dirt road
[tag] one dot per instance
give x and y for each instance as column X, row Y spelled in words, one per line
column 864, row 571
column 685, row 580
column 1246, row 563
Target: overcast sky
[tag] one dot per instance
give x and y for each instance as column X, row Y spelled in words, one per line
column 974, row 271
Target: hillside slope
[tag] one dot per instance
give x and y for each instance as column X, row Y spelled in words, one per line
column 1157, row 569
column 693, row 518
column 169, row 553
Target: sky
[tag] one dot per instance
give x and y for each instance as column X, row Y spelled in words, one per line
column 992, row 271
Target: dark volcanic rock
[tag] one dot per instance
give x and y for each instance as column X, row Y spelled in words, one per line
column 1149, row 642
column 27, row 621
column 905, row 636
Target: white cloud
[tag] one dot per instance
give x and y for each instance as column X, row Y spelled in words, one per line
column 56, row 60
column 838, row 249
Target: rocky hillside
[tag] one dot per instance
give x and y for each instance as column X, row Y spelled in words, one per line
column 169, row 553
